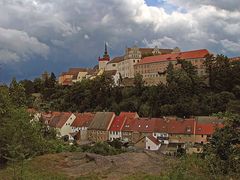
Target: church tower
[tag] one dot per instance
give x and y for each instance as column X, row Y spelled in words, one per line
column 102, row 62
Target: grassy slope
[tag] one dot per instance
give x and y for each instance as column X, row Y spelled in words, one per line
column 47, row 167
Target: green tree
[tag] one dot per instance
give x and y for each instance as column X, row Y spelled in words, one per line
column 223, row 152
column 138, row 84
column 17, row 93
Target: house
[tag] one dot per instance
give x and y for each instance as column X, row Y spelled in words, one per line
column 73, row 75
column 81, row 124
column 153, row 68
column 161, row 130
column 205, row 127
column 127, row 129
column 234, row 59
column 115, row 130
column 143, row 127
column 181, row 130
column 99, row 127
column 46, row 117
column 62, row 123
column 152, row 143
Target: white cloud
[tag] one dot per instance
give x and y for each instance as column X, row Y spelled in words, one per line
column 18, row 45
column 165, row 42
column 231, row 45
column 86, row 36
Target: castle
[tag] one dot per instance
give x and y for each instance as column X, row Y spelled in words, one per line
column 151, row 63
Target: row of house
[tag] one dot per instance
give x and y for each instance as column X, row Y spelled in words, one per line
column 148, row 133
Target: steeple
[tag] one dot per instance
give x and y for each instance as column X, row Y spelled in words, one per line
column 106, row 55
column 105, row 52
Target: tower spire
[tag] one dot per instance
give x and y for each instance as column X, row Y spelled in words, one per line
column 105, row 52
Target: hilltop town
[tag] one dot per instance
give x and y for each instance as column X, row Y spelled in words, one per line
column 160, row 103
column 165, row 134
column 150, row 63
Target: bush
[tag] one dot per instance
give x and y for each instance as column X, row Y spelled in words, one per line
column 102, row 148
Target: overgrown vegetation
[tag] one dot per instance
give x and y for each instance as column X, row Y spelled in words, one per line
column 21, row 137
column 104, row 148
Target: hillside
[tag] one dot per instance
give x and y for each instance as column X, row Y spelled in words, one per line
column 93, row 166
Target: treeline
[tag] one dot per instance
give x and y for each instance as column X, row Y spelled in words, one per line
column 184, row 94
column 22, row 137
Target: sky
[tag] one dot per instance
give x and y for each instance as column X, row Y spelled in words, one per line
column 54, row 35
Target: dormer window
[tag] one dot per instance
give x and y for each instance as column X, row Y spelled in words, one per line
column 188, row 129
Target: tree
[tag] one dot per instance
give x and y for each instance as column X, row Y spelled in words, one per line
column 209, row 64
column 170, row 73
column 138, row 84
column 223, row 152
column 17, row 93
column 28, row 86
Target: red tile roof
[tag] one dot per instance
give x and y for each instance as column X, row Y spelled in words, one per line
column 161, row 126
column 129, row 123
column 181, row 126
column 144, row 125
column 167, row 125
column 67, row 82
column 74, row 71
column 83, row 119
column 234, row 59
column 154, row 140
column 47, row 117
column 207, row 129
column 59, row 120
column 129, row 114
column 119, row 121
column 173, row 57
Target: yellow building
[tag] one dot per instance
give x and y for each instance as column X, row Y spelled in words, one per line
column 153, row 68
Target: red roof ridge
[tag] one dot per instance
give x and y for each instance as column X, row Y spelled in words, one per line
column 153, row 139
column 200, row 53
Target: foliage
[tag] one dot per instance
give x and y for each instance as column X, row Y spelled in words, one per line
column 102, row 148
column 223, row 151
